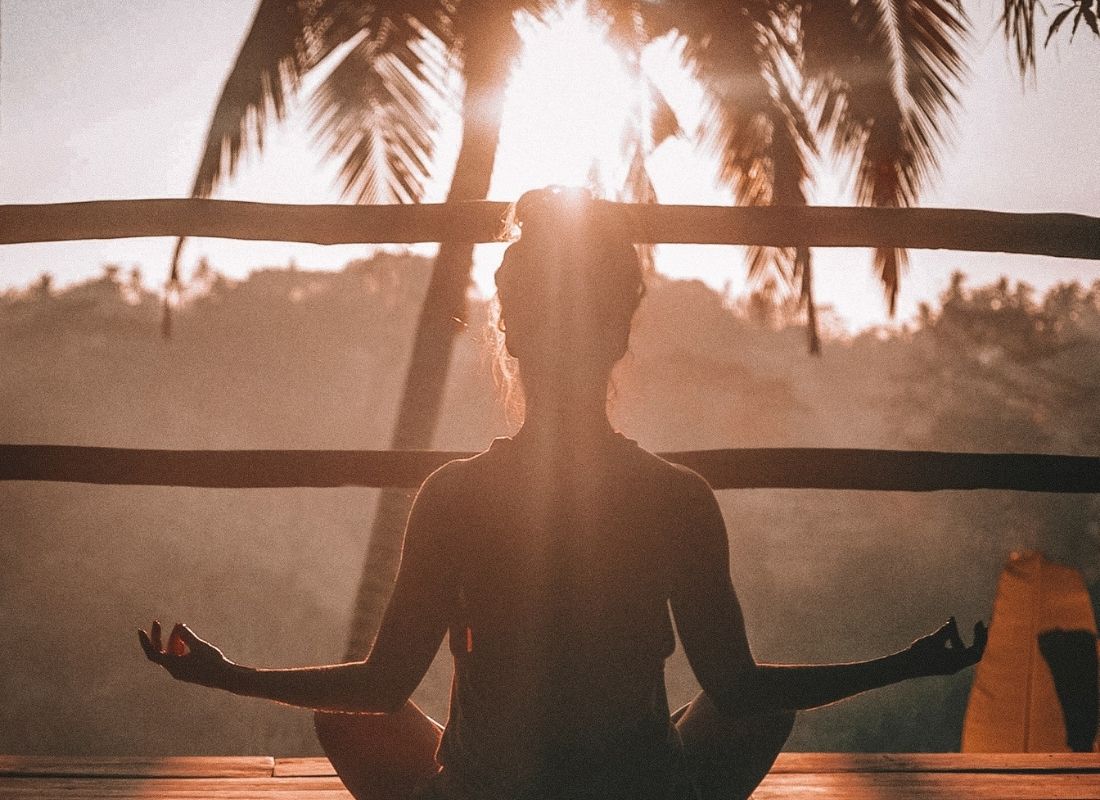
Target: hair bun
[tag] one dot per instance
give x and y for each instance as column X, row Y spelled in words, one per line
column 552, row 207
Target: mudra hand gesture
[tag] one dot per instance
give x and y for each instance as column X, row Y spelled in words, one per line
column 187, row 657
column 944, row 653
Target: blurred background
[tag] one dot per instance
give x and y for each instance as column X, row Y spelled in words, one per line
column 290, row 358
column 279, row 345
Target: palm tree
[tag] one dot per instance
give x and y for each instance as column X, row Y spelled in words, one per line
column 378, row 109
column 875, row 79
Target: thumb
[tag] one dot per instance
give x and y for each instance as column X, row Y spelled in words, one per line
column 953, row 634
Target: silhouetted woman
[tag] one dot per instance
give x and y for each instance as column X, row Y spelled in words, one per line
column 552, row 561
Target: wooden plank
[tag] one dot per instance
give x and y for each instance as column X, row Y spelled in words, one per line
column 304, row 767
column 174, row 788
column 928, row 786
column 319, row 766
column 796, row 776
column 831, row 786
column 230, row 219
column 932, row 762
column 138, row 767
column 803, row 763
column 1066, row 235
column 742, row 468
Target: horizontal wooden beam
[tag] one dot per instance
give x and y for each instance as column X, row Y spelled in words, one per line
column 1065, row 235
column 746, row 468
column 821, row 763
column 137, row 767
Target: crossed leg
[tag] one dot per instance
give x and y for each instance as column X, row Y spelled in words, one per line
column 380, row 756
column 388, row 756
column 728, row 757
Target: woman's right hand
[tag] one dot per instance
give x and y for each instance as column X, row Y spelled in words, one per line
column 187, row 657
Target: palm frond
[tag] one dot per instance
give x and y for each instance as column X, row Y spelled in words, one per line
column 883, row 75
column 755, row 123
column 377, row 110
column 624, row 23
column 486, row 37
column 638, row 188
column 741, row 54
column 1018, row 25
column 652, row 120
column 629, row 21
column 286, row 40
column 276, row 53
column 664, row 124
column 1082, row 11
column 628, row 29
column 785, row 177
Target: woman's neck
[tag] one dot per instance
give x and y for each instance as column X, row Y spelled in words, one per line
column 577, row 421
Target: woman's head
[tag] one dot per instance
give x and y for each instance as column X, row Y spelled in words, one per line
column 568, row 288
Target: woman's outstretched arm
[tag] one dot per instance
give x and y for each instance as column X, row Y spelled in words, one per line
column 810, row 686
column 712, row 629
column 357, row 687
column 410, row 634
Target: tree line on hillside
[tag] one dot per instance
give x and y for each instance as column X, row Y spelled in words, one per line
column 291, row 358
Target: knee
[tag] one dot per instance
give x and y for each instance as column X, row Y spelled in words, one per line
column 769, row 730
column 703, row 718
column 782, row 723
column 704, row 707
column 399, row 740
column 729, row 756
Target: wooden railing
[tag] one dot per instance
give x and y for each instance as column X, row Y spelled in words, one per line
column 1064, row 235
column 748, row 468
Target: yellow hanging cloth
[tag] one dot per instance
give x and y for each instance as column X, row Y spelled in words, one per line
column 1013, row 706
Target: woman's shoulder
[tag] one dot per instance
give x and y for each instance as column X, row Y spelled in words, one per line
column 676, row 475
column 458, row 474
column 492, row 464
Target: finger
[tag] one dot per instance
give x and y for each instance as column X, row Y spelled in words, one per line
column 176, row 644
column 953, row 634
column 188, row 635
column 981, row 637
column 147, row 645
column 975, row 651
column 154, row 635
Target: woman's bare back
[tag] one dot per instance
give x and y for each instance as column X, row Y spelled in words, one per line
column 557, row 581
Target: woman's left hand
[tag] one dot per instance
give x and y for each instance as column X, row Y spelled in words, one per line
column 187, row 657
column 944, row 653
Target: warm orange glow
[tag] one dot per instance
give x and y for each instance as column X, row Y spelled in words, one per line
column 569, row 102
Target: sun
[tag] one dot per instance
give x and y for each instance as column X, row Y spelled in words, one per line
column 568, row 104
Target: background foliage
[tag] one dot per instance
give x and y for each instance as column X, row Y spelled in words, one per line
column 291, row 359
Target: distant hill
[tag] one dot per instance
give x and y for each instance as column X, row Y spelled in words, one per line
column 296, row 359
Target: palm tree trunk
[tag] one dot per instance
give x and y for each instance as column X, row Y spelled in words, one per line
column 813, row 337
column 442, row 316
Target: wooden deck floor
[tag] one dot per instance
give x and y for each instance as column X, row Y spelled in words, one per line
column 796, row 776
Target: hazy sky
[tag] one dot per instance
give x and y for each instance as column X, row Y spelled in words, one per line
column 106, row 99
